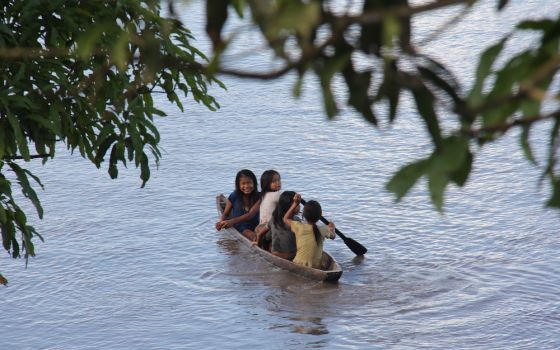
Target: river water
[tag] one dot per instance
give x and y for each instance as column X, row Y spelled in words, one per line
column 130, row 268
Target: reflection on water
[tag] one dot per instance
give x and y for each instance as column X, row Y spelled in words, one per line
column 229, row 246
column 358, row 259
column 311, row 325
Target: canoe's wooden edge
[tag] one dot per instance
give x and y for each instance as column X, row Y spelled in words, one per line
column 332, row 275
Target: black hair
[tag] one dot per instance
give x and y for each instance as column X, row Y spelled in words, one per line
column 266, row 181
column 312, row 212
column 253, row 196
column 284, row 203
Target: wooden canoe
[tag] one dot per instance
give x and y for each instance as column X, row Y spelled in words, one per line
column 330, row 270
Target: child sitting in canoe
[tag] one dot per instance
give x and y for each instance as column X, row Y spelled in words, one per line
column 309, row 237
column 243, row 205
column 270, row 192
column 283, row 241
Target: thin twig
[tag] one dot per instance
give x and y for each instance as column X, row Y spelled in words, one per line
column 34, row 156
column 453, row 20
column 405, row 11
column 503, row 128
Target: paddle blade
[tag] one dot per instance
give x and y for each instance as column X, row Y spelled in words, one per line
column 354, row 246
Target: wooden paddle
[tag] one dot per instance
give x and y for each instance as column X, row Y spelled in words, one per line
column 354, row 246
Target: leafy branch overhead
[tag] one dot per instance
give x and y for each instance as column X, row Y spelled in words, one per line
column 83, row 74
column 329, row 39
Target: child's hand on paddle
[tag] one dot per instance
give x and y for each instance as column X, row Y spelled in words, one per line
column 297, row 198
column 332, row 228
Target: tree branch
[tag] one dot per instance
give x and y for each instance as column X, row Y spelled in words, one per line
column 343, row 22
column 503, row 128
column 405, row 11
column 33, row 156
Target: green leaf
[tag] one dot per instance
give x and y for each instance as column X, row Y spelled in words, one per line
column 460, row 175
column 15, row 244
column 554, row 200
column 393, row 97
column 136, row 141
column 358, row 87
column 451, row 162
column 150, row 126
column 484, row 69
column 8, row 236
column 451, row 155
column 502, row 4
column 120, row 53
column 530, row 108
column 238, row 5
column 542, row 25
column 2, row 144
column 216, row 16
column 3, row 216
column 20, row 137
column 113, row 171
column 451, row 88
column 332, row 65
column 437, row 182
column 406, row 177
column 390, row 88
column 295, row 16
column 20, row 218
column 296, row 91
column 499, row 114
column 425, row 103
column 103, row 148
column 89, row 39
column 328, row 99
column 26, row 188
column 525, row 145
column 326, row 69
column 144, row 169
column 5, row 186
column 552, row 148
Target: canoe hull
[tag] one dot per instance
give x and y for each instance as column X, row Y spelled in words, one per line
column 331, row 271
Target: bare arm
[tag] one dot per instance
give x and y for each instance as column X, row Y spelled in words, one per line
column 291, row 211
column 247, row 216
column 227, row 210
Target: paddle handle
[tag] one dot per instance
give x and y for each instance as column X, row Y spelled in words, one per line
column 326, row 222
column 354, row 246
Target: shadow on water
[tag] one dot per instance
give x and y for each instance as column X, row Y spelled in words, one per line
column 358, row 260
column 312, row 325
column 229, row 246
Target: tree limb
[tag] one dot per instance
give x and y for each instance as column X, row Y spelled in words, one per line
column 34, row 156
column 503, row 128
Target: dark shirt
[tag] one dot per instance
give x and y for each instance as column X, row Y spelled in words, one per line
column 238, row 210
column 283, row 239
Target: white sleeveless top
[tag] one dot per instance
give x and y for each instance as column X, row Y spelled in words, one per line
column 268, row 204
